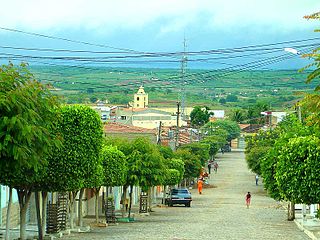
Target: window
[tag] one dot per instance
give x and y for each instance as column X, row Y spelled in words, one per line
column 137, row 98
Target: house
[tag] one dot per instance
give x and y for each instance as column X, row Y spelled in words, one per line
column 273, row 117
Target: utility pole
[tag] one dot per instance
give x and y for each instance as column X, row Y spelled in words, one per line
column 184, row 61
column 159, row 134
column 177, row 129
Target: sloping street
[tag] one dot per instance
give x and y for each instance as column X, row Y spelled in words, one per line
column 219, row 213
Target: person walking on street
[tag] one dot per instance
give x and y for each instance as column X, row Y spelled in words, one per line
column 248, row 199
column 209, row 167
column 257, row 179
column 200, row 184
column 215, row 166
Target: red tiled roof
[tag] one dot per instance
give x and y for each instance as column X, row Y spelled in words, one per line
column 243, row 126
column 113, row 127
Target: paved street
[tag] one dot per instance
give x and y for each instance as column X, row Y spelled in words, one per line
column 220, row 213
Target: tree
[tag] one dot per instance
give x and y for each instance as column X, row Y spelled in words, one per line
column 145, row 164
column 289, row 128
column 263, row 148
column 174, row 173
column 199, row 116
column 27, row 113
column 254, row 113
column 192, row 164
column 298, row 170
column 74, row 166
column 231, row 98
column 114, row 169
column 311, row 105
column 257, row 148
column 231, row 127
column 165, row 151
column 237, row 115
column 315, row 55
column 222, row 101
column 200, row 150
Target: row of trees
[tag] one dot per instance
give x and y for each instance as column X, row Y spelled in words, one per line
column 46, row 147
column 49, row 147
column 288, row 156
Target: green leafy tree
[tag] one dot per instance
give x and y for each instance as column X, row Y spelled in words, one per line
column 231, row 98
column 254, row 113
column 222, row 101
column 73, row 167
column 231, row 127
column 237, row 115
column 199, row 149
column 165, row 151
column 257, row 148
column 176, row 176
column 114, row 169
column 215, row 142
column 298, row 170
column 192, row 163
column 145, row 165
column 27, row 113
column 199, row 116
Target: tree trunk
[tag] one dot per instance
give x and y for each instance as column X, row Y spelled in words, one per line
column 80, row 208
column 72, row 196
column 96, row 207
column 150, row 199
column 123, row 199
column 24, row 195
column 39, row 221
column 164, row 195
column 44, row 210
column 291, row 213
column 7, row 237
column 130, row 202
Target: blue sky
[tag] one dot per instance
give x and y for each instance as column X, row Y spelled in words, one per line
column 158, row 25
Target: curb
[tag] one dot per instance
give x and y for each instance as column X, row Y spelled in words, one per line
column 309, row 233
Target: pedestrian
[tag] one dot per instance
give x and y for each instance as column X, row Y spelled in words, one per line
column 248, row 199
column 257, row 179
column 200, row 184
column 215, row 166
column 209, row 167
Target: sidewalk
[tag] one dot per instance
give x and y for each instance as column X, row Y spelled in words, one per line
column 311, row 227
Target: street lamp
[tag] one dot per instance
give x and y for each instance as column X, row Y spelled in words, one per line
column 292, row 50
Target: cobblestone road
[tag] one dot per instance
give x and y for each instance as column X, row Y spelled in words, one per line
column 220, row 213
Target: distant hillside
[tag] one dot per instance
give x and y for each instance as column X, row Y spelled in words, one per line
column 202, row 87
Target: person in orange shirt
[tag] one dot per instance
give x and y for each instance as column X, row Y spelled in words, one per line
column 200, row 184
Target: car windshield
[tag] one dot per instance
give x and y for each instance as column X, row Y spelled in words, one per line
column 177, row 191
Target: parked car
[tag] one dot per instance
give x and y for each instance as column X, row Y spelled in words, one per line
column 226, row 148
column 179, row 196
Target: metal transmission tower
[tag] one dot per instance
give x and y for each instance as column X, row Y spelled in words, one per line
column 184, row 61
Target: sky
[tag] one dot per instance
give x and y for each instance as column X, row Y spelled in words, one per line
column 158, row 25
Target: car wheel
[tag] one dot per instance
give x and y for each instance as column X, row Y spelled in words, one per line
column 188, row 204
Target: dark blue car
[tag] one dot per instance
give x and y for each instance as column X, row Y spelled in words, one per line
column 179, row 196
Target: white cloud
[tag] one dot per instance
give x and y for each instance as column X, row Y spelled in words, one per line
column 105, row 16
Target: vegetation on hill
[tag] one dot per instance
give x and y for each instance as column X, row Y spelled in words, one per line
column 277, row 88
